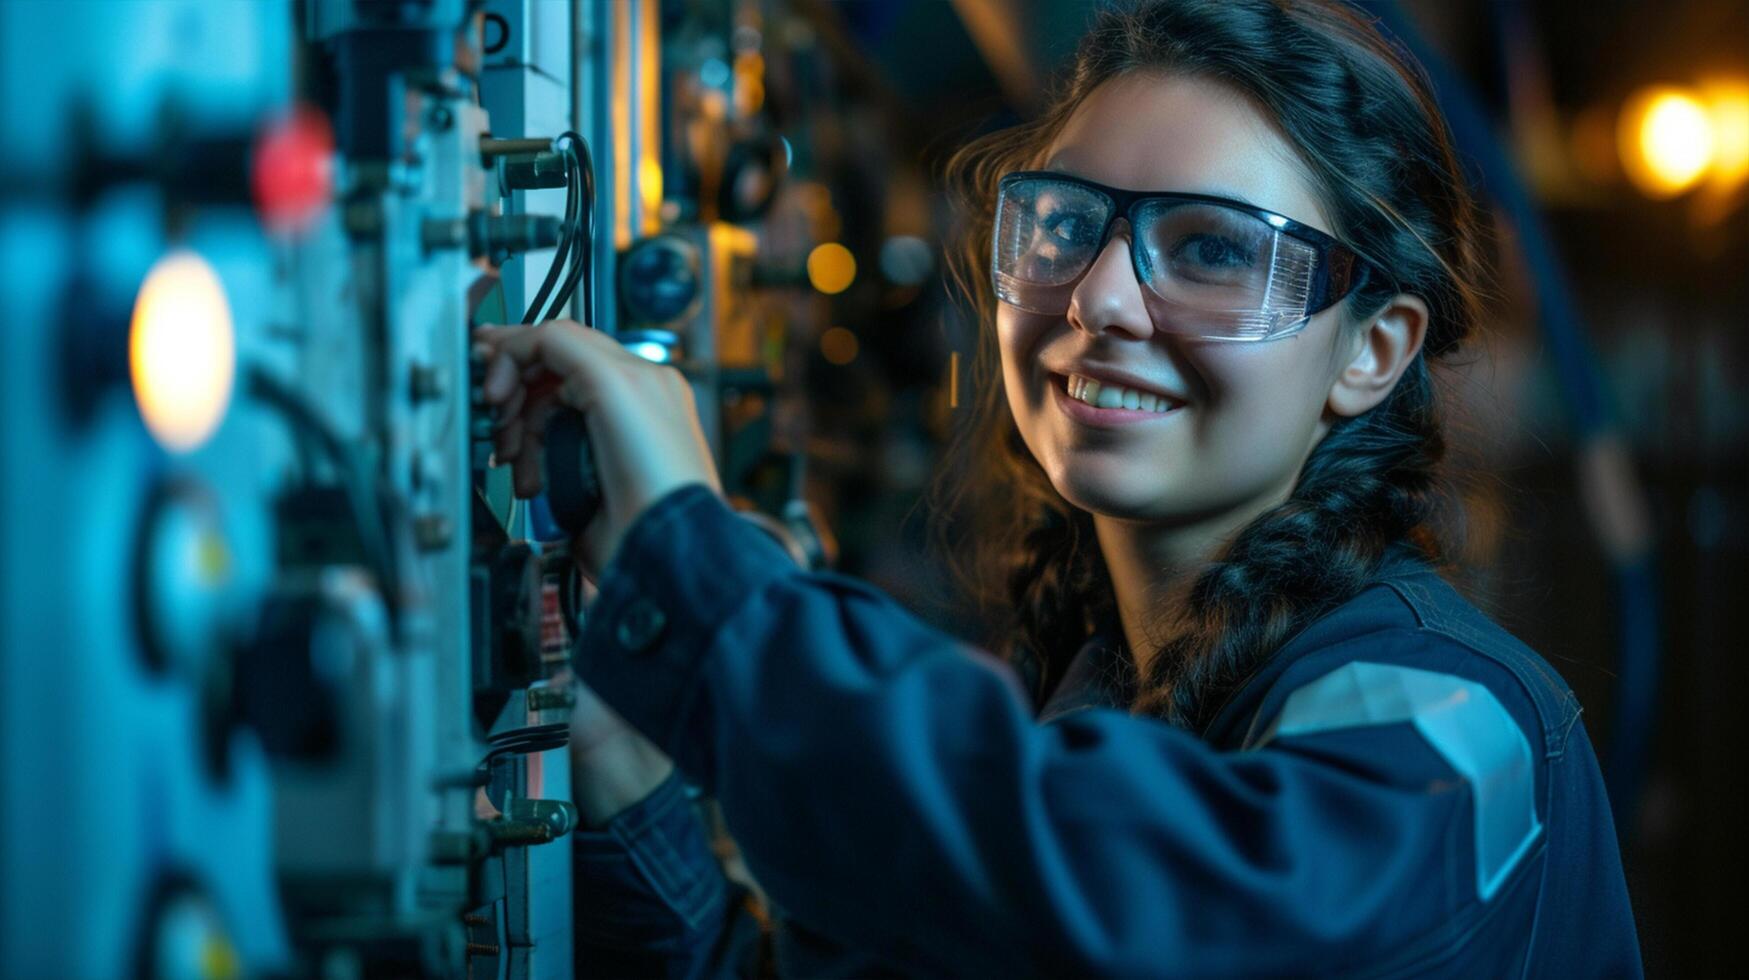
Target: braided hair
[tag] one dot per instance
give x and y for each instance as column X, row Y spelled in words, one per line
column 1363, row 118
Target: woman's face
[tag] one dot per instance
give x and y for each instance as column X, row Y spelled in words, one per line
column 1246, row 414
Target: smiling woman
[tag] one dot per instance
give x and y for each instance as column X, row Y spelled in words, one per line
column 1350, row 296
column 1161, row 496
column 1259, row 734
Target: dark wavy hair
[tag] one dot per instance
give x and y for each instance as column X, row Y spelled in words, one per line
column 1362, row 116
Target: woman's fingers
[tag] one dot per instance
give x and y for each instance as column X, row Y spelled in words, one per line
column 643, row 427
column 527, row 469
column 520, row 395
column 564, row 348
column 512, row 406
column 528, row 463
column 507, row 441
column 502, row 377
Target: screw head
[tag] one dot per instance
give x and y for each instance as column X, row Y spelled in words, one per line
column 432, row 532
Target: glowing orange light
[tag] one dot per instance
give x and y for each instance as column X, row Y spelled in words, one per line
column 1666, row 139
column 749, row 82
column 838, row 345
column 182, row 351
column 831, row 268
column 1728, row 104
column 650, row 185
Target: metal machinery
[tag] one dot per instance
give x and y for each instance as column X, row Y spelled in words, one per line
column 284, row 685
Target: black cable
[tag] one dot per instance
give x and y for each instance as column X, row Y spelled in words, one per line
column 570, row 602
column 532, row 748
column 527, row 731
column 527, row 741
column 581, row 270
column 355, row 479
column 567, row 234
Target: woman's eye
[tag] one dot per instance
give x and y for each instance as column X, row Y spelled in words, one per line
column 1212, row 252
column 1063, row 227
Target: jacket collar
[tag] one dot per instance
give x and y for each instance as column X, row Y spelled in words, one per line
column 1100, row 676
column 1097, row 677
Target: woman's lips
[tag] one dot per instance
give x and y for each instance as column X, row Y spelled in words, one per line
column 1104, row 418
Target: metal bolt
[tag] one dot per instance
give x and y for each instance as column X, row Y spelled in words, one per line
column 428, row 383
column 490, row 147
column 364, row 219
column 520, row 831
column 546, row 698
column 426, row 470
column 439, row 119
column 432, row 532
column 542, row 170
column 482, row 949
column 437, row 234
column 558, row 816
column 513, row 233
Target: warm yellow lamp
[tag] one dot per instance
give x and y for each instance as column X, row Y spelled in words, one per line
column 831, row 268
column 182, row 352
column 1666, row 140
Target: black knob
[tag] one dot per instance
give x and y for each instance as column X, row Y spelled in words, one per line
column 573, row 490
column 285, row 689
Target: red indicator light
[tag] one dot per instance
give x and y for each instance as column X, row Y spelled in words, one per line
column 293, row 172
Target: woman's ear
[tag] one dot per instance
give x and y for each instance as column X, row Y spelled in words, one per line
column 1378, row 351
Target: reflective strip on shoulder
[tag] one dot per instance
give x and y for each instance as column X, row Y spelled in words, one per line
column 1461, row 720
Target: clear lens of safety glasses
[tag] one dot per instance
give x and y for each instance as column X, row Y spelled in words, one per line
column 1213, row 269
column 1047, row 233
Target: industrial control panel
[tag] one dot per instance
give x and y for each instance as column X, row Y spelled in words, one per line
column 286, row 676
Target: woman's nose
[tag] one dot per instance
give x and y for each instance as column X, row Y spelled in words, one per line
column 1109, row 297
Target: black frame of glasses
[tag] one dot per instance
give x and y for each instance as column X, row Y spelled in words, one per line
column 1341, row 268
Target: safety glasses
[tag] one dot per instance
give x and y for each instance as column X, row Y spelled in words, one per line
column 1213, row 268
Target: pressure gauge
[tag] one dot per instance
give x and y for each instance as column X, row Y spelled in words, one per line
column 660, row 280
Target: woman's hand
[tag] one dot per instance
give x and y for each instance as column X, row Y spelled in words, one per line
column 642, row 424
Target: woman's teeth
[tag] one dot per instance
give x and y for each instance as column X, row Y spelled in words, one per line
column 1101, row 395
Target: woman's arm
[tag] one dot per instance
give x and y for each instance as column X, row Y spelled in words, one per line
column 898, row 793
column 652, row 899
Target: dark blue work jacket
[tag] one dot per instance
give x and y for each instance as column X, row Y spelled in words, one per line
column 1404, row 789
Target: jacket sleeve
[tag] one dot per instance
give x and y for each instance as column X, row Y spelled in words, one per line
column 898, row 792
column 652, row 899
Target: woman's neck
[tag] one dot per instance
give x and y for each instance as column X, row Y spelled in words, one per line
column 1153, row 566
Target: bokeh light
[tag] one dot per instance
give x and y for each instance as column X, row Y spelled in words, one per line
column 650, row 184
column 831, row 268
column 1728, row 105
column 292, row 176
column 182, row 351
column 1667, row 140
column 838, row 346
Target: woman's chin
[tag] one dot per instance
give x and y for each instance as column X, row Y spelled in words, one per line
column 1137, row 496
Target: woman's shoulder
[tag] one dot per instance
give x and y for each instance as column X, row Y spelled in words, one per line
column 1414, row 641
